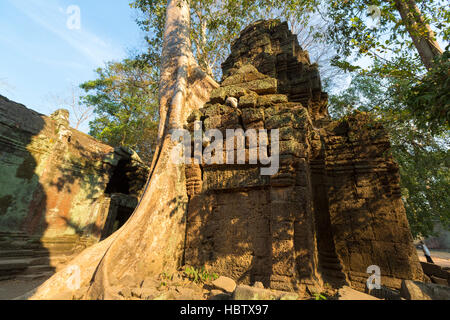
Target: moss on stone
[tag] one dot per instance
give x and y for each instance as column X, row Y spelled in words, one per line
column 27, row 169
column 262, row 86
column 248, row 101
column 271, row 99
column 5, row 203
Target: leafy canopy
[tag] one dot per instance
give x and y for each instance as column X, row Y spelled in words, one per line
column 214, row 25
column 387, row 50
column 124, row 97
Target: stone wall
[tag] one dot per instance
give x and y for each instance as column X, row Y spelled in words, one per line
column 245, row 225
column 334, row 207
column 54, row 180
column 367, row 214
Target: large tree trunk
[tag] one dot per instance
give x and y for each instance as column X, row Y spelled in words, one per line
column 152, row 240
column 420, row 32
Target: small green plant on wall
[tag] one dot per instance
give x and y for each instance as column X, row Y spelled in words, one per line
column 319, row 297
column 199, row 275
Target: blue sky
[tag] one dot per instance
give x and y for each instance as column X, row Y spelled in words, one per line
column 41, row 56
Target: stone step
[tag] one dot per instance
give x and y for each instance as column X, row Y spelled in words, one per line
column 15, row 253
column 12, row 267
column 31, row 268
column 335, row 274
column 22, row 253
column 332, row 266
column 14, row 245
column 38, row 269
column 7, row 264
column 327, row 254
column 16, row 236
column 7, row 277
column 11, row 238
column 55, row 261
column 324, row 259
column 13, row 234
column 32, row 277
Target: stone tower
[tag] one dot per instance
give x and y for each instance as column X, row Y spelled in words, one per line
column 334, row 207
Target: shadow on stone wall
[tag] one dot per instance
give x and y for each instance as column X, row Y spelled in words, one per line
column 61, row 190
column 23, row 200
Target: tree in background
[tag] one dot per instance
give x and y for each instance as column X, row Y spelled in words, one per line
column 80, row 113
column 428, row 98
column 216, row 24
column 403, row 46
column 124, row 100
column 405, row 26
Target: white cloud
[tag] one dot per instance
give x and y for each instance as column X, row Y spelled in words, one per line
column 50, row 15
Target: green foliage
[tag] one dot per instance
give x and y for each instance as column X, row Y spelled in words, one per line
column 214, row 25
column 423, row 157
column 166, row 276
column 200, row 275
column 124, row 94
column 354, row 35
column 387, row 50
column 428, row 99
column 319, row 297
column 125, row 100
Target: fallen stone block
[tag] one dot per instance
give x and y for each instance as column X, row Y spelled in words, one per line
column 225, row 284
column 413, row 290
column 219, row 295
column 347, row 293
column 385, row 293
column 438, row 280
column 431, row 270
column 243, row 292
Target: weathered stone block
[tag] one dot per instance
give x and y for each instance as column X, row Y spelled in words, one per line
column 262, row 86
column 413, row 290
column 271, row 99
column 250, row 115
column 221, row 94
column 225, row 284
column 251, row 293
column 248, row 101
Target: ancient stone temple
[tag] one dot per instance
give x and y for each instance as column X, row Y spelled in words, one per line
column 60, row 189
column 333, row 209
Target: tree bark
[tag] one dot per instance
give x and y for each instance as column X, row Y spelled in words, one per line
column 152, row 241
column 420, row 32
